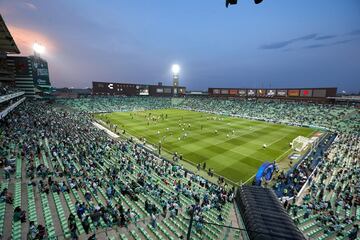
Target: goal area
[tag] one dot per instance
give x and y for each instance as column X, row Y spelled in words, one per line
column 300, row 143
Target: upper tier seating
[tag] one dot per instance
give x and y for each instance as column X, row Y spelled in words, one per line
column 332, row 117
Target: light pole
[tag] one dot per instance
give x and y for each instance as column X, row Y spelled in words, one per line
column 175, row 71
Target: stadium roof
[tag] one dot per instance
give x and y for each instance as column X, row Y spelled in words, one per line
column 7, row 43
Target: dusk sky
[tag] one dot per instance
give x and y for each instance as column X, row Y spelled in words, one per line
column 279, row 43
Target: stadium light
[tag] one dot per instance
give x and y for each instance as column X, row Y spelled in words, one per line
column 175, row 69
column 38, row 48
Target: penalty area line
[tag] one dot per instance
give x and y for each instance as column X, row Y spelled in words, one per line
column 242, row 183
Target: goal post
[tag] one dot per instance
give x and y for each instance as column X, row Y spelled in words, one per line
column 300, row 143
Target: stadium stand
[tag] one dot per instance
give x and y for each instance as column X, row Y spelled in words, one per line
column 341, row 120
column 77, row 181
column 288, row 184
column 66, row 182
column 329, row 207
column 324, row 116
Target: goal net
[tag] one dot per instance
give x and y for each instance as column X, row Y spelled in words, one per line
column 300, row 143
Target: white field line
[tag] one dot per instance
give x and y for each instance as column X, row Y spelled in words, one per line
column 276, row 160
column 112, row 134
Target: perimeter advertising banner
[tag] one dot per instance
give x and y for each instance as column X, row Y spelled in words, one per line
column 270, row 92
column 233, row 91
column 282, row 93
column 319, row 93
column 251, row 92
column 242, row 92
column 293, row 93
column 306, row 93
column 261, row 92
column 167, row 90
column 143, row 91
column 224, row 91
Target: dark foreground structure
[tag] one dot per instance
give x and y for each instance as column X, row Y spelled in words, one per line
column 264, row 216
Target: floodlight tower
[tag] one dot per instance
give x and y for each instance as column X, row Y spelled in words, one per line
column 175, row 71
column 38, row 49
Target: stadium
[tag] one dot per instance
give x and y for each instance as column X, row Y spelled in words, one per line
column 138, row 160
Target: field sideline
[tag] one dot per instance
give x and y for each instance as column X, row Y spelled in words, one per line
column 233, row 147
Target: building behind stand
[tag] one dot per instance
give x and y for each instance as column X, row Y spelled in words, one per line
column 10, row 96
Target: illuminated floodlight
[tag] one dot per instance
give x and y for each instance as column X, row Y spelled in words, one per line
column 175, row 69
column 38, row 48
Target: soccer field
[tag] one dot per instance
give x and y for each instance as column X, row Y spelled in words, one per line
column 233, row 147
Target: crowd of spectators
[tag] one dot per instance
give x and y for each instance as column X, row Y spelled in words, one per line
column 325, row 116
column 332, row 171
column 65, row 154
column 332, row 199
column 289, row 183
column 78, row 157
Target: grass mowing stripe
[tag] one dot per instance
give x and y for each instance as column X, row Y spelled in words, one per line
column 235, row 151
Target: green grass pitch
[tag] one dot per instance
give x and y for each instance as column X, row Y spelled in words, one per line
column 233, row 147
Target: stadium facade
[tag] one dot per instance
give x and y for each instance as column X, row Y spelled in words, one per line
column 131, row 89
column 32, row 75
column 297, row 94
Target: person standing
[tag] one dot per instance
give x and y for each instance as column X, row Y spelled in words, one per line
column 153, row 220
column 73, row 232
column 354, row 232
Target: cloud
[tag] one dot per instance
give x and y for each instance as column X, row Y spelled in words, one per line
column 303, row 38
column 282, row 44
column 316, row 45
column 313, row 36
column 355, row 32
column 325, row 37
column 30, row 6
column 25, row 38
column 329, row 44
column 276, row 45
column 342, row 42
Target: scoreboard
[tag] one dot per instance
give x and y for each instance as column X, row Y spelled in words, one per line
column 290, row 93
